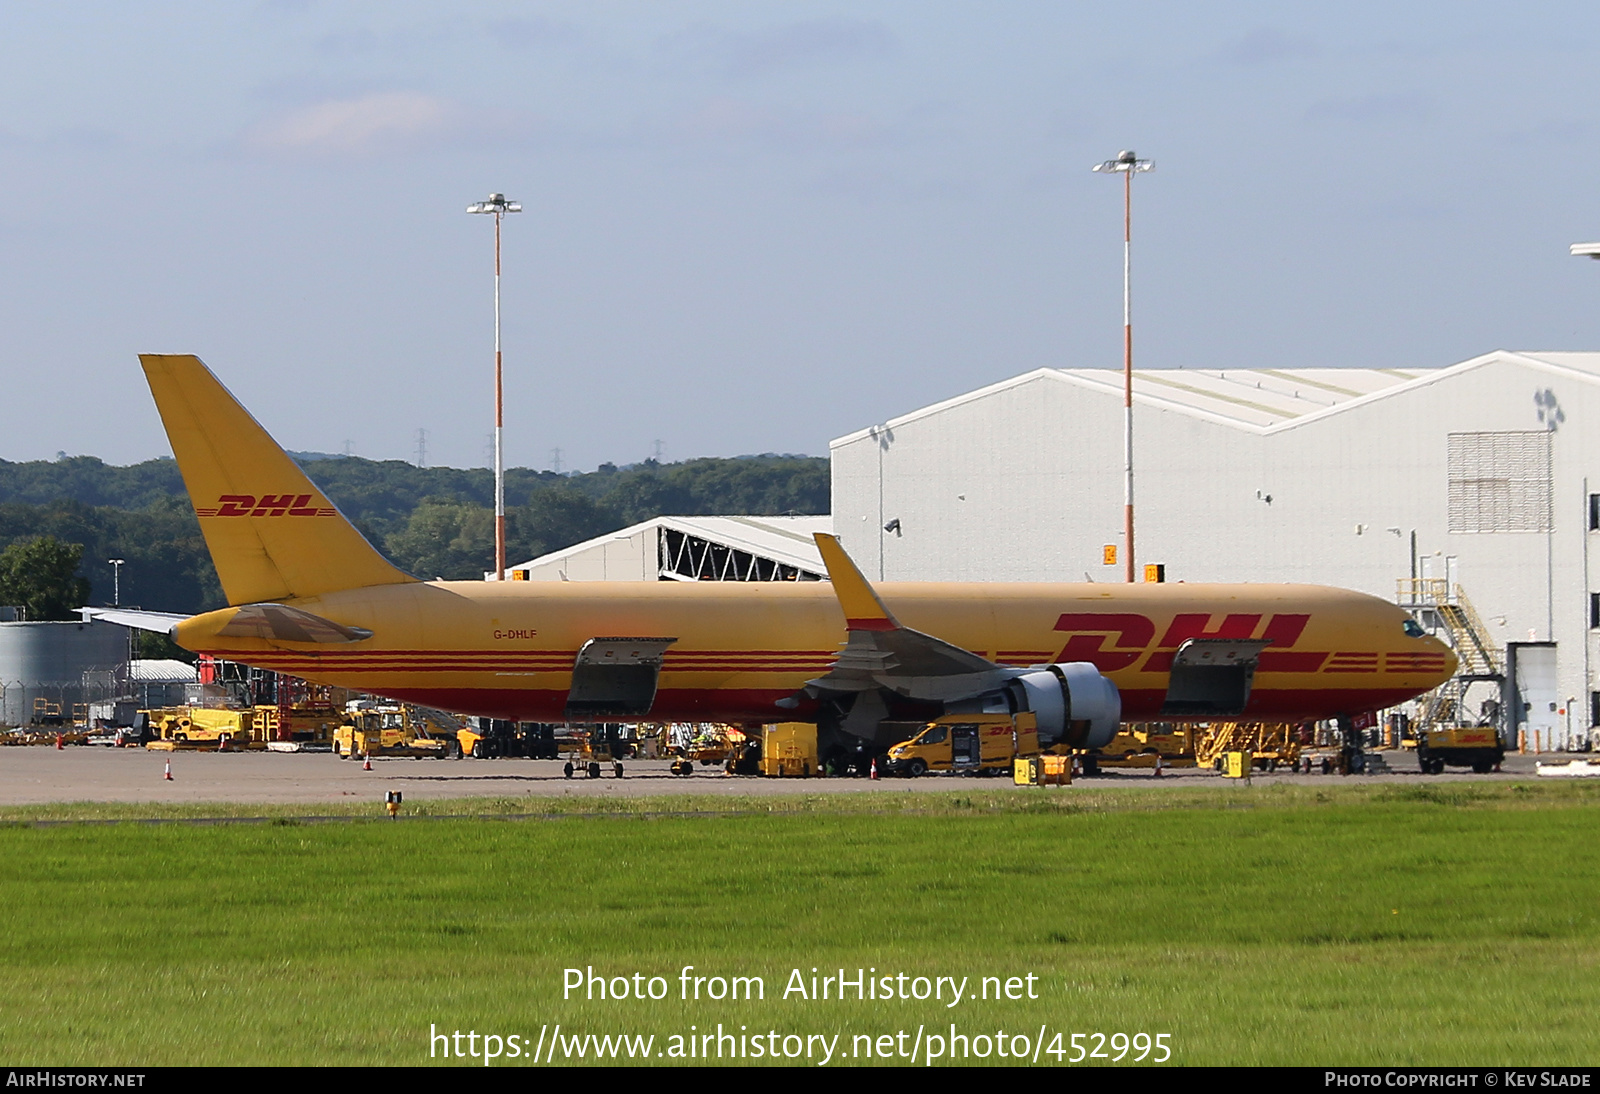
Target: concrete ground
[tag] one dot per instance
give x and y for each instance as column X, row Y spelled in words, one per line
column 40, row 775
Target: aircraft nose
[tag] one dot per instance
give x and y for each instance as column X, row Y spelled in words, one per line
column 1451, row 661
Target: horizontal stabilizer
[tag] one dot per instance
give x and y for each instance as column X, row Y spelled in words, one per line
column 285, row 624
column 160, row 622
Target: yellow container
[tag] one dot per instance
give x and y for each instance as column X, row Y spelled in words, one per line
column 1025, row 770
column 789, row 750
column 1055, row 770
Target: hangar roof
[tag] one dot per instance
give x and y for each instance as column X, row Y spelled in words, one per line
column 1261, row 399
column 785, row 541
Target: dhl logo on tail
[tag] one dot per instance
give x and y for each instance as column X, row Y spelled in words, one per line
column 269, row 505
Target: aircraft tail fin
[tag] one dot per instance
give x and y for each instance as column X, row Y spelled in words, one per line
column 272, row 534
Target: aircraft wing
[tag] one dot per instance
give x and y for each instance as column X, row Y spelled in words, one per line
column 160, row 622
column 881, row 653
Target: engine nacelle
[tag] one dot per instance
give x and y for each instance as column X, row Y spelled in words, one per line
column 1072, row 702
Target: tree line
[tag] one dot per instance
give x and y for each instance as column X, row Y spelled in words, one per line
column 431, row 522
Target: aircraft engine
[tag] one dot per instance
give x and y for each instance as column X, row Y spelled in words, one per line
column 1071, row 701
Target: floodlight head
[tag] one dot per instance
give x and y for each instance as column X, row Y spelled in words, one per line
column 496, row 204
column 1126, row 161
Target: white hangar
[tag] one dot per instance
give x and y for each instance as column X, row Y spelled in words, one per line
column 690, row 549
column 1484, row 476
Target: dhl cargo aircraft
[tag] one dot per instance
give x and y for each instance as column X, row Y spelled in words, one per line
column 310, row 597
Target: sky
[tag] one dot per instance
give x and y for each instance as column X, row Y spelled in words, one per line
column 754, row 227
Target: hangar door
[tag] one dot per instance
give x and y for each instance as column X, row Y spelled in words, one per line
column 1536, row 704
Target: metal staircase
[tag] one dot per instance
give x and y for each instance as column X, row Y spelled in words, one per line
column 1456, row 616
column 1440, row 607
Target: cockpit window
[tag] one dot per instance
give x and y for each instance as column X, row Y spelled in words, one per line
column 1414, row 629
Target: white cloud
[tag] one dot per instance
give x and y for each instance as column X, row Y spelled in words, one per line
column 382, row 121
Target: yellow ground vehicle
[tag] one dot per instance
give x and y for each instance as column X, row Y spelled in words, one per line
column 246, row 728
column 605, row 743
column 389, row 730
column 713, row 745
column 967, row 744
column 1477, row 747
column 490, row 738
column 1270, row 745
column 307, row 723
column 1138, row 745
column 202, row 727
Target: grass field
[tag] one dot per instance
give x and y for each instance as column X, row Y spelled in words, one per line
column 1355, row 925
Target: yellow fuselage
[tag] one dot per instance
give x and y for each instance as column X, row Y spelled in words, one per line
column 507, row 650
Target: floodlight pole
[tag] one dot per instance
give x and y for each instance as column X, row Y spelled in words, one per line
column 116, row 580
column 1126, row 164
column 499, row 207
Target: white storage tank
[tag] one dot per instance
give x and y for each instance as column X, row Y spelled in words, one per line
column 51, row 667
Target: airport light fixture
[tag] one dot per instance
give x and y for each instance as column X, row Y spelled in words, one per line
column 498, row 207
column 1127, row 164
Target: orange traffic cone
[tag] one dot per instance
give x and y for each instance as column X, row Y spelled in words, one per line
column 168, row 775
column 60, row 743
column 873, row 772
column 366, row 762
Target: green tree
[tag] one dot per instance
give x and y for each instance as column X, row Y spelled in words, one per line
column 40, row 575
column 553, row 518
column 445, row 538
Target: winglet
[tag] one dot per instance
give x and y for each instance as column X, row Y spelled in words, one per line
column 863, row 611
